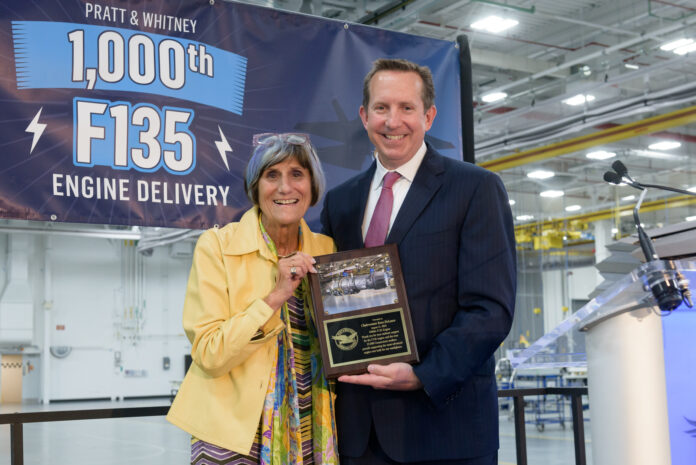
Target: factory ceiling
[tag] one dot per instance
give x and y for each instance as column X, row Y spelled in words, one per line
column 573, row 78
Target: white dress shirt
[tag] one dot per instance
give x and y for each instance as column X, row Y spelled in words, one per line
column 400, row 188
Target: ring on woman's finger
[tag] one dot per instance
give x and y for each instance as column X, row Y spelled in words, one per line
column 293, row 270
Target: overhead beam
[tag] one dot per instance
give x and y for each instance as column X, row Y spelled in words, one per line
column 64, row 229
column 384, row 11
column 590, row 217
column 621, row 132
column 514, row 62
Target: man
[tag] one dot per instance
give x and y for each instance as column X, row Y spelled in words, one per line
column 453, row 226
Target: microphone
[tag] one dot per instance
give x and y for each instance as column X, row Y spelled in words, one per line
column 612, row 177
column 620, row 175
column 669, row 287
column 620, row 168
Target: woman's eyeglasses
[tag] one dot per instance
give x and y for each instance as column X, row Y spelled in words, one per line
column 294, row 138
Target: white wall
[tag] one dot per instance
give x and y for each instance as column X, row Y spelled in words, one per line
column 92, row 296
column 582, row 282
column 106, row 313
column 561, row 287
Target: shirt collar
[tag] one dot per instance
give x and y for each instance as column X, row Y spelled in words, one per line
column 408, row 170
column 245, row 237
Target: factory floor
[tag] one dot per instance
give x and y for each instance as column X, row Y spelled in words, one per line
column 153, row 441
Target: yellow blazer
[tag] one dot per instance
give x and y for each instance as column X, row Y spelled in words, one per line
column 221, row 398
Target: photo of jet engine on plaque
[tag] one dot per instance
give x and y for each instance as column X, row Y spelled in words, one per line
column 357, row 283
column 361, row 310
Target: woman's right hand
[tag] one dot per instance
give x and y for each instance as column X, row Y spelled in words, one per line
column 291, row 270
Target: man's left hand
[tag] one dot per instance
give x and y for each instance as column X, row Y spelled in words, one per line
column 395, row 376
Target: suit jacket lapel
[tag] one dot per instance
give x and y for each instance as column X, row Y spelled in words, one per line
column 426, row 183
column 357, row 208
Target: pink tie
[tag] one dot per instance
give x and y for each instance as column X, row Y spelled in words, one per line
column 379, row 224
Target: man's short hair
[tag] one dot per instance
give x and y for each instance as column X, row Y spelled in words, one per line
column 399, row 64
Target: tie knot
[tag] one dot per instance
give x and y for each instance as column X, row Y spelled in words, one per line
column 389, row 179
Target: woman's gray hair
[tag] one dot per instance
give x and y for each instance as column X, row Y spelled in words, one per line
column 276, row 149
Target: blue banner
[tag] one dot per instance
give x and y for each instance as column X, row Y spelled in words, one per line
column 142, row 113
column 117, row 59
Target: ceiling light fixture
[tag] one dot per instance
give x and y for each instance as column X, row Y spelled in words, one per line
column 573, row 208
column 524, row 217
column 494, row 97
column 690, row 218
column 579, row 99
column 541, row 174
column 685, row 49
column 631, row 66
column 600, row 155
column 664, row 145
column 658, row 155
column 494, row 24
column 692, row 189
column 628, row 197
column 511, row 202
column 675, row 44
column 552, row 194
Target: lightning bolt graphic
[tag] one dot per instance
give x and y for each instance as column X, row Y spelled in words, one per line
column 35, row 128
column 223, row 147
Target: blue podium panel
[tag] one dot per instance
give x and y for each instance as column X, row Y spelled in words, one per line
column 679, row 335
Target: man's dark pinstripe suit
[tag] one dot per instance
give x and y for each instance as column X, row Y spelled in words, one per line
column 457, row 248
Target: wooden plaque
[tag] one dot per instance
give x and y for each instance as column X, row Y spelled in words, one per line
column 360, row 310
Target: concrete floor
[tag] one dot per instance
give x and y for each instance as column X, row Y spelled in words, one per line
column 153, row 441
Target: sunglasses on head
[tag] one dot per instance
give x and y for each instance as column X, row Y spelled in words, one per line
column 294, row 138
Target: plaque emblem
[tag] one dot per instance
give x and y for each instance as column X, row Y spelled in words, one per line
column 345, row 338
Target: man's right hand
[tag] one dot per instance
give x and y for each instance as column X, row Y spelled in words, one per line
column 395, row 376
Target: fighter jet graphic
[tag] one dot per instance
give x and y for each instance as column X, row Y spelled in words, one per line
column 354, row 145
column 691, row 432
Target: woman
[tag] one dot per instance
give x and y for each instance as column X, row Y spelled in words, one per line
column 255, row 390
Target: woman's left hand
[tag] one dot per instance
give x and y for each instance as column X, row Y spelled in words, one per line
column 291, row 270
column 295, row 267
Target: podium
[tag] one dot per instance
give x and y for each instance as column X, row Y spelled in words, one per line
column 641, row 365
